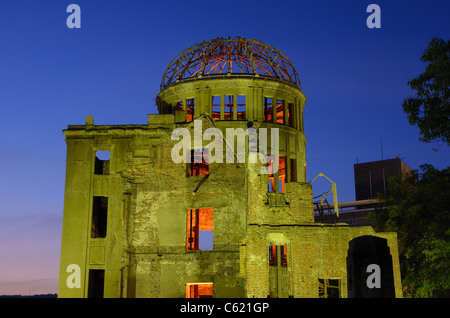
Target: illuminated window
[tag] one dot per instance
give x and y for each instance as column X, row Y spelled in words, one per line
column 271, row 176
column 280, row 175
column 99, row 217
column 190, row 106
column 272, row 255
column 283, row 256
column 216, row 108
column 200, row 226
column 280, row 112
column 268, row 114
column 277, row 255
column 199, row 290
column 240, row 107
column 278, row 271
column 199, row 165
column 229, row 106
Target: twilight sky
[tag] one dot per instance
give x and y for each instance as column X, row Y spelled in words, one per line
column 354, row 79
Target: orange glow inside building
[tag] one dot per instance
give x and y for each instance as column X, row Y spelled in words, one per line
column 199, row 290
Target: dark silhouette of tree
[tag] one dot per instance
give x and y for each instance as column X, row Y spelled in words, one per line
column 429, row 110
column 418, row 209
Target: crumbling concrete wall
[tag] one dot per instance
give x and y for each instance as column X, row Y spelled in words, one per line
column 145, row 252
column 157, row 226
column 314, row 252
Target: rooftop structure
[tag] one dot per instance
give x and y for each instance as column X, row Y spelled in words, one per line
column 237, row 57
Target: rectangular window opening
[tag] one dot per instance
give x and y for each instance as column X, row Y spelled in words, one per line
column 278, row 271
column 268, row 114
column 190, row 106
column 281, row 174
column 229, row 106
column 102, row 160
column 200, row 226
column 329, row 288
column 290, row 117
column 199, row 290
column 274, row 258
column 241, row 107
column 280, row 112
column 293, row 172
column 199, row 162
column 283, row 257
column 216, row 108
column 99, row 217
column 96, row 283
column 271, row 176
column 272, row 255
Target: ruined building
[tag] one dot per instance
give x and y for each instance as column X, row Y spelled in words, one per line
column 137, row 223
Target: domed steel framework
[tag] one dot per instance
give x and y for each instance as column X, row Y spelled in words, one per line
column 230, row 56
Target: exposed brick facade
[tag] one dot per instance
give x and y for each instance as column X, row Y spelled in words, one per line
column 144, row 252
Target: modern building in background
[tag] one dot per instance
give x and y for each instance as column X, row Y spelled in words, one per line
column 371, row 178
column 138, row 223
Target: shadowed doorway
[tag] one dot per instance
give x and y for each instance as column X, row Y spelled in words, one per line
column 365, row 253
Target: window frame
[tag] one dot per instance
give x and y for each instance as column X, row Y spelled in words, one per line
column 194, row 223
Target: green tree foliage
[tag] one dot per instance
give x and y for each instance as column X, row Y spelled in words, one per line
column 429, row 110
column 417, row 207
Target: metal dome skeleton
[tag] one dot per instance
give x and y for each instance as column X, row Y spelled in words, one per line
column 238, row 56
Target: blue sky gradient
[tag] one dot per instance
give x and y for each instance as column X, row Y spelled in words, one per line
column 354, row 79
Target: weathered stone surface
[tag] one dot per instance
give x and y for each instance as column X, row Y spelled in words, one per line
column 144, row 253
